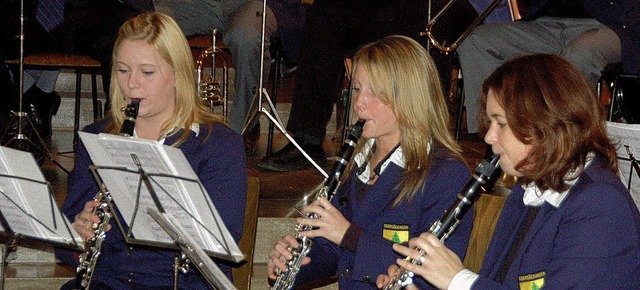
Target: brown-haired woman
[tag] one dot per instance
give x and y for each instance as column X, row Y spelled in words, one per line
column 569, row 222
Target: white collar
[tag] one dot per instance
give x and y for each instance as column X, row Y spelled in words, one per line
column 397, row 157
column 533, row 197
column 195, row 127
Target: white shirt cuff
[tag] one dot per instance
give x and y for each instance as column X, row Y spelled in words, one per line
column 462, row 280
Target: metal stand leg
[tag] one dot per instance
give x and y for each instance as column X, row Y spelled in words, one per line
column 2, row 268
column 274, row 94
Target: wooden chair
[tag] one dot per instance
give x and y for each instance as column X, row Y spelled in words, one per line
column 242, row 274
column 486, row 212
column 78, row 62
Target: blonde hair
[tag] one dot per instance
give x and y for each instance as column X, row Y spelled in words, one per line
column 166, row 37
column 404, row 76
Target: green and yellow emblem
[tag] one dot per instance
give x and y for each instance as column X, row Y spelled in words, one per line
column 532, row 281
column 396, row 233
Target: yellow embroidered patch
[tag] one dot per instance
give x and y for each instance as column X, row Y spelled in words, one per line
column 532, row 281
column 396, row 233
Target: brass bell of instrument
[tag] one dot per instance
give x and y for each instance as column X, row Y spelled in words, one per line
column 214, row 91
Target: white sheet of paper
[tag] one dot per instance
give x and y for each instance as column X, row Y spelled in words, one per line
column 27, row 203
column 185, row 200
column 627, row 137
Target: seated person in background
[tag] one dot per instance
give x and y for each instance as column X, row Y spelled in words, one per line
column 290, row 15
column 153, row 63
column 406, row 171
column 335, row 29
column 588, row 33
column 241, row 25
column 569, row 222
column 83, row 26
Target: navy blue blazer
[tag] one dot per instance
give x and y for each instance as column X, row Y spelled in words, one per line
column 622, row 16
column 219, row 161
column 592, row 241
column 374, row 215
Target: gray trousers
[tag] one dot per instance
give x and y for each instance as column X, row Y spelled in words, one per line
column 241, row 25
column 586, row 43
column 45, row 80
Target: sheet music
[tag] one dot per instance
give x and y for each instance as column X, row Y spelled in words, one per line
column 186, row 200
column 627, row 139
column 26, row 201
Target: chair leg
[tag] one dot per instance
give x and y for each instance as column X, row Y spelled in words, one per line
column 94, row 96
column 346, row 99
column 461, row 108
column 76, row 115
column 274, row 96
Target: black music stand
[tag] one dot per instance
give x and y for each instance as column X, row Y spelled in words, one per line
column 192, row 250
column 142, row 175
column 28, row 210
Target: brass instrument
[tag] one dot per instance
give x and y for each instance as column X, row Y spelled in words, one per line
column 484, row 177
column 513, row 7
column 213, row 91
column 286, row 278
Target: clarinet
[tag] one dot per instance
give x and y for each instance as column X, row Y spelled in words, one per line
column 286, row 278
column 130, row 114
column 89, row 257
column 484, row 177
column 92, row 246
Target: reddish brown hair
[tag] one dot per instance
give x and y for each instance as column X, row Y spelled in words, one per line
column 551, row 106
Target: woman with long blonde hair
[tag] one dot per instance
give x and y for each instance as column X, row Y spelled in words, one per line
column 406, row 171
column 154, row 66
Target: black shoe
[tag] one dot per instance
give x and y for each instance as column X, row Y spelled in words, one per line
column 251, row 140
column 40, row 108
column 289, row 158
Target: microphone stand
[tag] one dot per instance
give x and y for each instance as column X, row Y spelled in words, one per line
column 20, row 141
column 256, row 105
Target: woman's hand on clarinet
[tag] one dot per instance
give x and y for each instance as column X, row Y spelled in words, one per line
column 331, row 224
column 437, row 264
column 280, row 256
column 386, row 280
column 86, row 222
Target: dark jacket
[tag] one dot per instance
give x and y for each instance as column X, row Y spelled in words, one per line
column 375, row 216
column 592, row 241
column 219, row 161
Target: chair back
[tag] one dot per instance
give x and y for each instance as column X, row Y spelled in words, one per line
column 242, row 274
column 485, row 216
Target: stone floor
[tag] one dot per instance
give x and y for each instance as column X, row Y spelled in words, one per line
column 32, row 266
